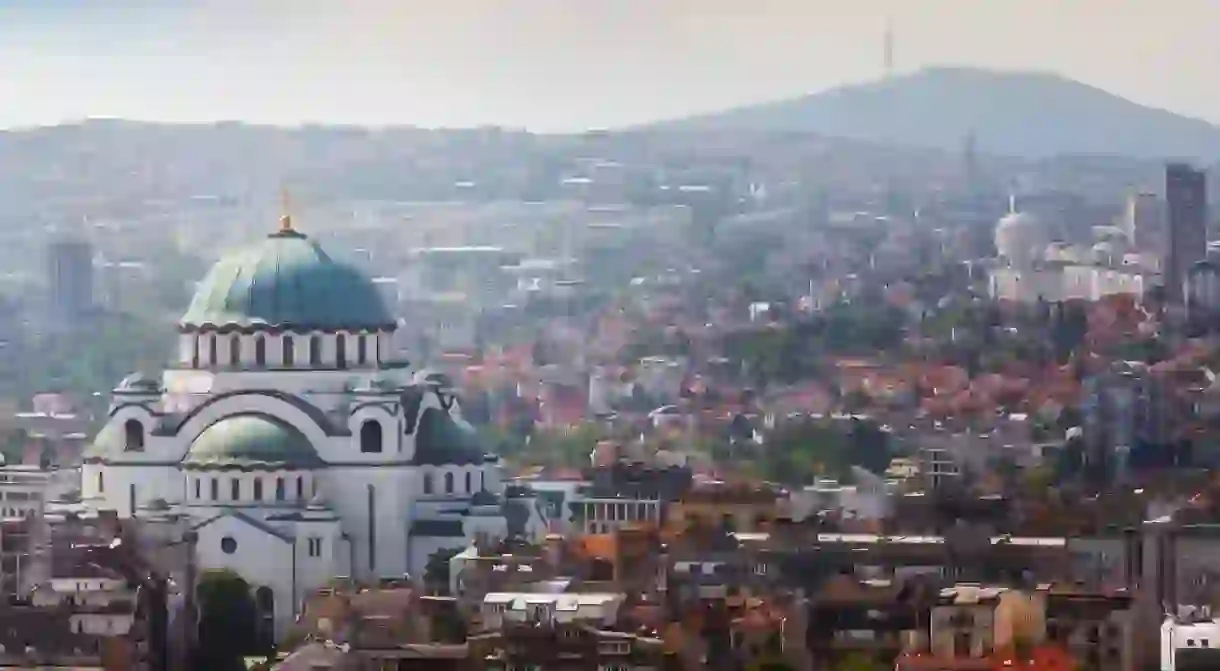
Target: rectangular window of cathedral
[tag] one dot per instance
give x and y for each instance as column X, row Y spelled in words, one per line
column 235, row 489
column 315, row 547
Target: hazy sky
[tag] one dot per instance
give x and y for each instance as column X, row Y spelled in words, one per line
column 559, row 64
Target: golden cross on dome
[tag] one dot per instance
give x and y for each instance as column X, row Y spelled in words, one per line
column 286, row 211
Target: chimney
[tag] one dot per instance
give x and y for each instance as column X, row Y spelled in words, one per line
column 553, row 547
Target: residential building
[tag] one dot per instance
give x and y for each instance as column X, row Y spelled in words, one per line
column 1186, row 197
column 1190, row 643
column 70, row 282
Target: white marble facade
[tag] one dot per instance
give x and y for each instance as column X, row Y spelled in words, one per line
column 285, row 428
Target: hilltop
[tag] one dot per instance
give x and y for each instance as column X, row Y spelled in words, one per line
column 1027, row 114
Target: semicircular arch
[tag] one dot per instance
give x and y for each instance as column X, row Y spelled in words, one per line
column 250, row 402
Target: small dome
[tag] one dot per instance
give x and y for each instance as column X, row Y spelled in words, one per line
column 484, row 498
column 287, row 281
column 1105, row 250
column 434, row 378
column 1204, row 266
column 139, row 382
column 440, row 441
column 1020, row 236
column 378, row 384
column 250, row 441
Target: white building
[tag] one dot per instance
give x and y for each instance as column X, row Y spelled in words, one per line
column 1055, row 282
column 598, row 608
column 288, row 431
column 575, row 506
column 25, row 489
column 1021, row 238
column 1190, row 636
column 871, row 499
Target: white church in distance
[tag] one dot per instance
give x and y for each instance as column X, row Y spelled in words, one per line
column 286, row 431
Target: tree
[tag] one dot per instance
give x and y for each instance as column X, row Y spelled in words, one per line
column 561, row 449
column 12, row 446
column 858, row 661
column 771, row 663
column 856, row 401
column 228, row 621
column 797, row 450
column 436, row 572
column 870, row 446
column 1038, row 480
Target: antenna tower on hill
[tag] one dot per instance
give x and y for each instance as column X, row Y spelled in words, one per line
column 888, row 48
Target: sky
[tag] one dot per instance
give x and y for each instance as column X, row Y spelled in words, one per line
column 560, row 65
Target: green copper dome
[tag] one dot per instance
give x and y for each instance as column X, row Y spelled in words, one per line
column 286, row 281
column 249, row 441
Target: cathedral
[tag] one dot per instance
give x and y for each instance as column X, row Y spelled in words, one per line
column 292, row 437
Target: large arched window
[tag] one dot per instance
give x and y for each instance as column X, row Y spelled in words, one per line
column 429, row 485
column 194, row 351
column 362, row 350
column 213, row 357
column 370, row 437
column 341, row 351
column 235, row 350
column 258, row 488
column 289, row 353
column 315, row 350
column 469, row 482
column 133, row 436
column 448, row 483
column 279, row 489
column 300, row 486
column 260, row 351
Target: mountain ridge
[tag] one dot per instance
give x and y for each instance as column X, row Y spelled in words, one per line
column 1031, row 114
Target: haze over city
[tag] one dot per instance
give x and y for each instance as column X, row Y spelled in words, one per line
column 551, row 65
column 648, row 335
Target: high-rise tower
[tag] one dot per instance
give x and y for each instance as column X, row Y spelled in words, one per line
column 1186, row 200
column 69, row 281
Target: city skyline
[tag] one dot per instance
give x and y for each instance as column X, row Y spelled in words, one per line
column 548, row 66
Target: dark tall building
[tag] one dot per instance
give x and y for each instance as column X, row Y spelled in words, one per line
column 1186, row 197
column 69, row 281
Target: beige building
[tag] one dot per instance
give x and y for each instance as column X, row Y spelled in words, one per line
column 972, row 622
column 1063, row 282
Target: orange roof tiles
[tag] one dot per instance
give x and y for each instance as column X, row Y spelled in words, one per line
column 597, row 546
